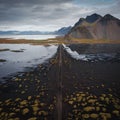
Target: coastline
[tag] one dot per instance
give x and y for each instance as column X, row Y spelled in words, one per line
column 89, row 89
column 57, row 40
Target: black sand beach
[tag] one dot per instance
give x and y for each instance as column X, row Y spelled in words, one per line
column 64, row 88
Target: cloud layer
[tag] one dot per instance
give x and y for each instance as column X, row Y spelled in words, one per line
column 49, row 15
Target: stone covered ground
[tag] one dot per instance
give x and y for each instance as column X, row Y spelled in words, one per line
column 90, row 91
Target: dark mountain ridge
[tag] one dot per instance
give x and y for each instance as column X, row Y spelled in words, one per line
column 96, row 27
column 92, row 18
column 63, row 30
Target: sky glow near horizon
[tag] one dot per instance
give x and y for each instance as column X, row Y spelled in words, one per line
column 50, row 15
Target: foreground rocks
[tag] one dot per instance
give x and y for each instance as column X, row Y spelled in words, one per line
column 89, row 91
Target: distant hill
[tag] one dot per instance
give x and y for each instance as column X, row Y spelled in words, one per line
column 7, row 32
column 24, row 33
column 63, row 30
column 96, row 27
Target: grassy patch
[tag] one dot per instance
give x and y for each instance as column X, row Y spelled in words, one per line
column 90, row 41
column 58, row 40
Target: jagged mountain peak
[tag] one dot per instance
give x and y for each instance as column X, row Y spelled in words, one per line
column 89, row 19
column 109, row 17
column 80, row 21
column 97, row 27
column 92, row 18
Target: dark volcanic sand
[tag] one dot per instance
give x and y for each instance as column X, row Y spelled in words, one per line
column 89, row 91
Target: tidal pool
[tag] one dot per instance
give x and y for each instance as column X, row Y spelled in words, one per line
column 92, row 57
column 21, row 56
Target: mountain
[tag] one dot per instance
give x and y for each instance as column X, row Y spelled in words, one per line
column 96, row 27
column 92, row 18
column 63, row 30
column 24, row 33
column 8, row 32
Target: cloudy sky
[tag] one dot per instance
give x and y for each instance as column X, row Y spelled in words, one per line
column 49, row 15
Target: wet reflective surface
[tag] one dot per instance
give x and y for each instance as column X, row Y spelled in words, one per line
column 28, row 37
column 20, row 56
column 93, row 57
column 89, row 90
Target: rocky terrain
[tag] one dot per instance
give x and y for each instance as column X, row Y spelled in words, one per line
column 64, row 89
column 96, row 27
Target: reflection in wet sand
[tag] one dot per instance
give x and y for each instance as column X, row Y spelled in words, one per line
column 20, row 56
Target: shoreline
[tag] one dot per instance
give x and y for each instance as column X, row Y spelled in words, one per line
column 33, row 42
column 92, row 88
column 57, row 40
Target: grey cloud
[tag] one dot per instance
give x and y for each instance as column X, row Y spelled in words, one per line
column 9, row 9
column 43, row 13
column 31, row 2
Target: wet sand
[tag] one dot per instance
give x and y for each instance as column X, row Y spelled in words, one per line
column 89, row 90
